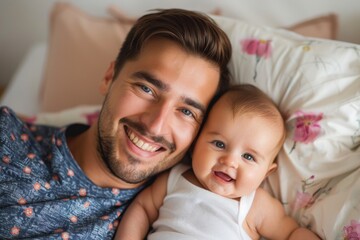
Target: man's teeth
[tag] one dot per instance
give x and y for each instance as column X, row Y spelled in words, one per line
column 141, row 144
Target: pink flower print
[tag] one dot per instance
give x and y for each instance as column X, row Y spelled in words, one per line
column 82, row 192
column 24, row 137
column 259, row 47
column 37, row 186
column 28, row 212
column 86, row 204
column 58, row 142
column 27, row 170
column 15, row 231
column 6, row 159
column 70, row 173
column 31, row 155
column 302, row 200
column 73, row 219
column 39, row 138
column 91, row 118
column 115, row 191
column 110, row 226
column 116, row 223
column 22, row 201
column 307, row 127
column 47, row 185
column 352, row 231
column 12, row 137
column 65, row 235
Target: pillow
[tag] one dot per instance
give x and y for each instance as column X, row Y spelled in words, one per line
column 316, row 84
column 320, row 27
column 80, row 48
column 85, row 114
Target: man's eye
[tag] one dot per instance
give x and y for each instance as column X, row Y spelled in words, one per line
column 248, row 157
column 146, row 89
column 187, row 112
column 218, row 144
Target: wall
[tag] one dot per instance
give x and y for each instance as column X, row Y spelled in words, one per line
column 24, row 23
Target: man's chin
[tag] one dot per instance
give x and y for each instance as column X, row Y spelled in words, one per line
column 134, row 174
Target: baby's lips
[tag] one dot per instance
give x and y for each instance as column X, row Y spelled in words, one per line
column 224, row 176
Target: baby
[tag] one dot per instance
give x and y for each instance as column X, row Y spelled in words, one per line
column 220, row 197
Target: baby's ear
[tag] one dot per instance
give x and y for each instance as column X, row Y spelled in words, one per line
column 272, row 168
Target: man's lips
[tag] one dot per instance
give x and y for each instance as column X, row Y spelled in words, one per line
column 139, row 131
column 141, row 142
column 223, row 176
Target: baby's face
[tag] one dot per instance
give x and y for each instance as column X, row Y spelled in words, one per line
column 234, row 154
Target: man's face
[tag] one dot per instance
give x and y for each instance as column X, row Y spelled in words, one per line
column 153, row 110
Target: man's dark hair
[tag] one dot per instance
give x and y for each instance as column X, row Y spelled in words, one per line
column 195, row 32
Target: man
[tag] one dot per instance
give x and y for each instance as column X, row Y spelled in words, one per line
column 74, row 183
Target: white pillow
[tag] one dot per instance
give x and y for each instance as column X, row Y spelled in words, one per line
column 316, row 84
column 85, row 114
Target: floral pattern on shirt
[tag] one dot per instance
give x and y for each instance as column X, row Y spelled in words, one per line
column 44, row 194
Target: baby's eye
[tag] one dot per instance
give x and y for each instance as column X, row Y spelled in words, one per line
column 248, row 157
column 218, row 144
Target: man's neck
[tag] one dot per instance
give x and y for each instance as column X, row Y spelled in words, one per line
column 83, row 148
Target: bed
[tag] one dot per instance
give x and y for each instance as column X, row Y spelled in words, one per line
column 313, row 78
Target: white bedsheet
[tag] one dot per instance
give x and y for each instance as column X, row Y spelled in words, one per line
column 22, row 93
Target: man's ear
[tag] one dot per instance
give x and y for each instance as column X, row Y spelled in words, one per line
column 107, row 80
column 271, row 169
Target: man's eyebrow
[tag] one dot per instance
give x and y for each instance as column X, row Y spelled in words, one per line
column 195, row 104
column 164, row 87
column 151, row 79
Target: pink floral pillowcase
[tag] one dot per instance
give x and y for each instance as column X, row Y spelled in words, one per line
column 316, row 84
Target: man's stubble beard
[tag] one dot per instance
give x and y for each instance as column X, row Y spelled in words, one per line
column 128, row 169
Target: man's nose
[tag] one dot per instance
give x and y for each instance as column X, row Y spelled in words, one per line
column 157, row 118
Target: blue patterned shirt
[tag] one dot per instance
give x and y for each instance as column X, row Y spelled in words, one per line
column 44, row 194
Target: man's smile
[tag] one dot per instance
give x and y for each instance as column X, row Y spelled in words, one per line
column 141, row 142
